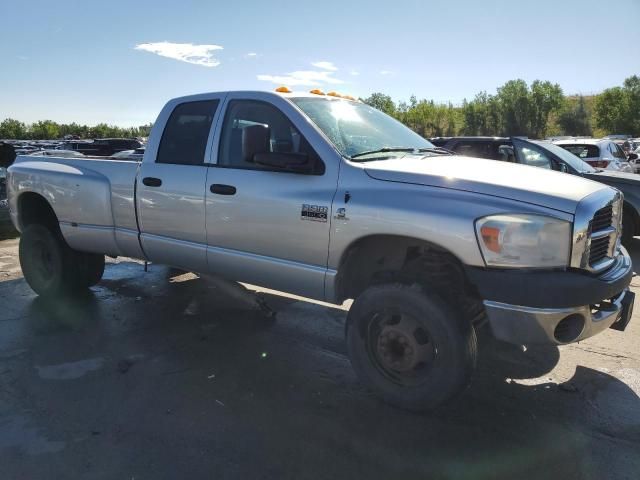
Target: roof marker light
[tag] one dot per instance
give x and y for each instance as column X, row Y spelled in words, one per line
column 283, row 89
column 316, row 91
column 334, row 94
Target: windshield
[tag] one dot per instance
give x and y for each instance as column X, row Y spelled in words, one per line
column 568, row 157
column 355, row 128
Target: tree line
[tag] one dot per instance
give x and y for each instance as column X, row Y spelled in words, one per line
column 536, row 111
column 50, row 130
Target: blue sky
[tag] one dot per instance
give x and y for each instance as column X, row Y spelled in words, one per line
column 78, row 61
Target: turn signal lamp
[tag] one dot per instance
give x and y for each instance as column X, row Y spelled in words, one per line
column 283, row 89
column 491, row 238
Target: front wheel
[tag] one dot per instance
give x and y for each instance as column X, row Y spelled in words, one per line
column 409, row 346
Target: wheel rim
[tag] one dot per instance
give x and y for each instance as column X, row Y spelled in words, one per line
column 45, row 262
column 400, row 347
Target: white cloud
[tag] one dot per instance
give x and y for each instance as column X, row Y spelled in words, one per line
column 251, row 54
column 311, row 78
column 325, row 66
column 386, row 72
column 355, row 73
column 185, row 52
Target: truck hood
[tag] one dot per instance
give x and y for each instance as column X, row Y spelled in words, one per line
column 611, row 177
column 559, row 191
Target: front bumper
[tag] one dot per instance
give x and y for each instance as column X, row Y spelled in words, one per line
column 577, row 305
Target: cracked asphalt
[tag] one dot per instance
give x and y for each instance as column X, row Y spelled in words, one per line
column 163, row 374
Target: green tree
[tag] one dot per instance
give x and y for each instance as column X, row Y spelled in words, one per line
column 515, row 107
column 44, row 130
column 575, row 119
column 617, row 109
column 545, row 98
column 12, row 129
column 382, row 102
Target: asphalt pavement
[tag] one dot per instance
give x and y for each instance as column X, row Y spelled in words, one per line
column 163, row 374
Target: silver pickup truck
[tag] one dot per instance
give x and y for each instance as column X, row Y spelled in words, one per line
column 328, row 198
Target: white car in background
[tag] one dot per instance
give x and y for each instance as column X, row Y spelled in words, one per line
column 599, row 153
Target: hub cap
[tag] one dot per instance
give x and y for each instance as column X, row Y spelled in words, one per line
column 400, row 347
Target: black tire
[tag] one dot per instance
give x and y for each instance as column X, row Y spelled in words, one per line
column 93, row 266
column 409, row 346
column 49, row 265
column 628, row 228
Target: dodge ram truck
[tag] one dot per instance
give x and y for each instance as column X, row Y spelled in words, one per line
column 331, row 199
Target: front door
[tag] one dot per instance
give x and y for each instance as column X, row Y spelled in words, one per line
column 268, row 224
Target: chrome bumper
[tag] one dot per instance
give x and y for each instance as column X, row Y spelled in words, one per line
column 529, row 325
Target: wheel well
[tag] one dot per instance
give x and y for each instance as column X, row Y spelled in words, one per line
column 33, row 208
column 628, row 208
column 388, row 258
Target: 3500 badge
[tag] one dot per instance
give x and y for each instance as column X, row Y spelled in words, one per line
column 314, row 213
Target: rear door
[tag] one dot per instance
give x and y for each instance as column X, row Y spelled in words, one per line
column 266, row 225
column 170, row 190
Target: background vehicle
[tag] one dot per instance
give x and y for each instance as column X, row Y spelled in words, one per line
column 599, row 153
column 331, row 199
column 57, row 153
column 103, row 147
column 136, row 154
column 554, row 157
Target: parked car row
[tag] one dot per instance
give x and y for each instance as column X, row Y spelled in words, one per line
column 102, row 147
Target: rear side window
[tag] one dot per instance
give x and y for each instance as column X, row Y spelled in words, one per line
column 583, row 151
column 184, row 140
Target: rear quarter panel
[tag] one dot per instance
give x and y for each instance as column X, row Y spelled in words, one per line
column 92, row 199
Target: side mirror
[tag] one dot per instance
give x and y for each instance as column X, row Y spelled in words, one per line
column 292, row 162
column 632, row 156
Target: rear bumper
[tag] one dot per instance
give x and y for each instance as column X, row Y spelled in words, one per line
column 554, row 307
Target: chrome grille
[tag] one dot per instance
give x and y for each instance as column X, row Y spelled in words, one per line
column 602, row 219
column 599, row 249
column 601, row 234
column 596, row 231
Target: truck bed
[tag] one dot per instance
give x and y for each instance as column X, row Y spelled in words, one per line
column 93, row 198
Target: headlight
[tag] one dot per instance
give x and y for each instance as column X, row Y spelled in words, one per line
column 520, row 240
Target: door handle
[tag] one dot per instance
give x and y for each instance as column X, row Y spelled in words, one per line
column 152, row 181
column 222, row 189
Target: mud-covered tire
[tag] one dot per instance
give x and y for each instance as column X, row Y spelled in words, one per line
column 409, row 346
column 49, row 265
column 628, row 228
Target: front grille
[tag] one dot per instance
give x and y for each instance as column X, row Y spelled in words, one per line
column 599, row 250
column 602, row 220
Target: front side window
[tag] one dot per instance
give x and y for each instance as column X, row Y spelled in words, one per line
column 258, row 136
column 184, row 140
column 355, row 128
column 534, row 157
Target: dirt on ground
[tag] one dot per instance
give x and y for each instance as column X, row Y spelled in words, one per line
column 163, row 374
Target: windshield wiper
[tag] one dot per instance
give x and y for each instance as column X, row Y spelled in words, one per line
column 383, row 150
column 436, row 150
